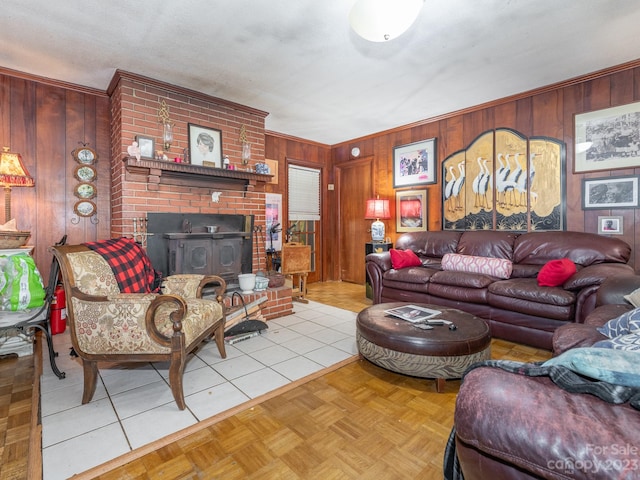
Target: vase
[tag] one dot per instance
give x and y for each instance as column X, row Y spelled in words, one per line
column 247, row 282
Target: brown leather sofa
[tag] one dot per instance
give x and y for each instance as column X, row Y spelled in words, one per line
column 517, row 308
column 514, row 426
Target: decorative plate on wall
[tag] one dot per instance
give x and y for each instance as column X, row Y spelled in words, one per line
column 85, row 190
column 85, row 173
column 84, row 208
column 85, row 155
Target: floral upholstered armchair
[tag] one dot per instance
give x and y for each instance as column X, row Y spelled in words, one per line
column 109, row 325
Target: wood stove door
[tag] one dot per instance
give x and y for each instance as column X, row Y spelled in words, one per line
column 227, row 258
column 192, row 255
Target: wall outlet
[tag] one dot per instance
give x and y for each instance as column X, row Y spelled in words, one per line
column 330, row 186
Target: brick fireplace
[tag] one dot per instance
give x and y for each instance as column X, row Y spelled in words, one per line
column 150, row 187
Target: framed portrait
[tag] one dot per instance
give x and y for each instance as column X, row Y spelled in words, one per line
column 610, row 192
column 611, row 225
column 205, row 146
column 273, row 216
column 411, row 211
column 607, row 139
column 146, row 146
column 414, row 164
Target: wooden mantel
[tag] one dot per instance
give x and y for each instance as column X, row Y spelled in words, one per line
column 172, row 173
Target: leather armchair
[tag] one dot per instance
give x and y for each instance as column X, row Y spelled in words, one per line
column 109, row 326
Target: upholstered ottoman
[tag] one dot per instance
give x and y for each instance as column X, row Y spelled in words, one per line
column 440, row 353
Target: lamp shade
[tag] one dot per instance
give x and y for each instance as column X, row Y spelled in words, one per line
column 12, row 174
column 383, row 20
column 377, row 208
column 12, row 171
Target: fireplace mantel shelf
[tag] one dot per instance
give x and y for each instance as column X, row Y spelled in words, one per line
column 162, row 172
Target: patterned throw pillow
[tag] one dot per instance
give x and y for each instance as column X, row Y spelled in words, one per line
column 628, row 322
column 403, row 259
column 555, row 272
column 633, row 298
column 496, row 267
column 630, row 342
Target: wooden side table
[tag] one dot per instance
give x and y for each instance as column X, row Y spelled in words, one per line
column 296, row 262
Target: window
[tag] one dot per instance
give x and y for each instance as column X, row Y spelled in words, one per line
column 304, row 206
column 304, row 193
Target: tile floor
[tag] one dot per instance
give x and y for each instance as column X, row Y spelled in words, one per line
column 134, row 406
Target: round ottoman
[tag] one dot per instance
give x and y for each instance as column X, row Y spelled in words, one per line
column 440, row 353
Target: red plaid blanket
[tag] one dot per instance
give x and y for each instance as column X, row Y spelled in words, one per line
column 130, row 264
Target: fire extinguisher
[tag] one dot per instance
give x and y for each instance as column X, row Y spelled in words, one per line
column 58, row 311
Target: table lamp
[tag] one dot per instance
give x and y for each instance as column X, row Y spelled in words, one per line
column 12, row 174
column 377, row 209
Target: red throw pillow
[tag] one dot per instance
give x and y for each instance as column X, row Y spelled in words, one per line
column 555, row 272
column 403, row 259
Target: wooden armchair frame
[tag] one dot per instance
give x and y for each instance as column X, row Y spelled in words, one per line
column 171, row 345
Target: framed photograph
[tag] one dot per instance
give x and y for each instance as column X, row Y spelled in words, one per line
column 610, row 192
column 147, row 147
column 607, row 139
column 205, row 146
column 611, row 225
column 414, row 164
column 411, row 211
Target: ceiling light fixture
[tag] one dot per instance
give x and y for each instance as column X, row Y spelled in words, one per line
column 383, row 20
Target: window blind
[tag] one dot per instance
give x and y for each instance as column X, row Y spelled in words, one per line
column 304, row 193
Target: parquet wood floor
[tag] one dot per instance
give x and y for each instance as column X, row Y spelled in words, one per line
column 359, row 421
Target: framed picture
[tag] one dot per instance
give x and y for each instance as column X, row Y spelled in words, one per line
column 611, row 225
column 414, row 164
column 146, row 146
column 411, row 211
column 273, row 216
column 205, row 146
column 610, row 192
column 607, row 139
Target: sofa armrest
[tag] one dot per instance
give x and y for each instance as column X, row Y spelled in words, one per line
column 613, row 290
column 596, row 275
column 382, row 260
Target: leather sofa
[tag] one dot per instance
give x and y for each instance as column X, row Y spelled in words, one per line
column 516, row 308
column 514, row 426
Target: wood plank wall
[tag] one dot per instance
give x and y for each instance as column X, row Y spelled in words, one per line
column 546, row 112
column 44, row 122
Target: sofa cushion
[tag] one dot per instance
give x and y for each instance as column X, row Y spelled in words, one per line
column 556, row 272
column 486, row 243
column 628, row 322
column 496, row 267
column 403, row 259
column 580, row 247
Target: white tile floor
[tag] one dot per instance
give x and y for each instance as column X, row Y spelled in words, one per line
column 133, row 404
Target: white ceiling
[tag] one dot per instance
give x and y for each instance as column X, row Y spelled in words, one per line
column 299, row 60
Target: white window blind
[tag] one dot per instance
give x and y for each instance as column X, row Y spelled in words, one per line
column 304, row 193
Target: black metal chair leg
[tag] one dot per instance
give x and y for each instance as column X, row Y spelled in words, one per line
column 52, row 353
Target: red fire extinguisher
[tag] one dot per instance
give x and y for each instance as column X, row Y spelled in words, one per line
column 58, row 311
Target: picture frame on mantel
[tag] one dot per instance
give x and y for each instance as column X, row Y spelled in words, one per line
column 607, row 139
column 146, row 146
column 205, row 146
column 415, row 164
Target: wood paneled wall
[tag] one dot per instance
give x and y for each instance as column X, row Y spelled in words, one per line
column 44, row 122
column 545, row 112
column 285, row 149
